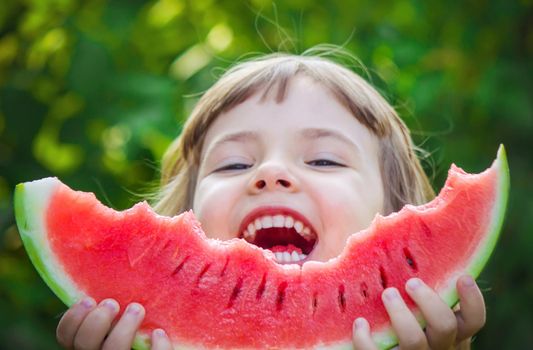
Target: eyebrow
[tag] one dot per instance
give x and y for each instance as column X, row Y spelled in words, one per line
column 308, row 133
column 241, row 136
column 314, row 133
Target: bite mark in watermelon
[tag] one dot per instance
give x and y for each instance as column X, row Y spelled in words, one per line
column 208, row 293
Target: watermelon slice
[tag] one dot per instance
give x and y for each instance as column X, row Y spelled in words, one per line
column 231, row 294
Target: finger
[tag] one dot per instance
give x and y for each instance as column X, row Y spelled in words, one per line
column 160, row 340
column 362, row 340
column 404, row 323
column 70, row 322
column 471, row 316
column 121, row 337
column 441, row 325
column 96, row 325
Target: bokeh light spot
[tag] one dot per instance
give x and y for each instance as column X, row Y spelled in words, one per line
column 220, row 37
column 190, row 62
column 163, row 12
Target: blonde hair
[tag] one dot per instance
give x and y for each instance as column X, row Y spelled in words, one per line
column 404, row 180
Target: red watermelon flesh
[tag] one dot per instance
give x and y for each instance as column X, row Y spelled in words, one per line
column 208, row 293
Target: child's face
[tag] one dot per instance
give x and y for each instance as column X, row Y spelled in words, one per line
column 306, row 159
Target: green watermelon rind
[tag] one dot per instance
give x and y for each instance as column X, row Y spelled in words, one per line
column 31, row 228
column 30, row 221
column 498, row 215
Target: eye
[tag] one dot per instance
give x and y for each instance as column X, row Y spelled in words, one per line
column 233, row 166
column 324, row 163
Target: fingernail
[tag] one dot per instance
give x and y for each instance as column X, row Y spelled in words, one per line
column 391, row 294
column 88, row 303
column 159, row 332
column 134, row 309
column 414, row 283
column 468, row 281
column 110, row 304
column 361, row 324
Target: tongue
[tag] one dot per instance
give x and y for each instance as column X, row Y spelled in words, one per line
column 286, row 248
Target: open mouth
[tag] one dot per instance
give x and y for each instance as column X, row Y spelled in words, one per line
column 290, row 239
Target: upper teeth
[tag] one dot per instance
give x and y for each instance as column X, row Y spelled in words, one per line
column 286, row 257
column 268, row 221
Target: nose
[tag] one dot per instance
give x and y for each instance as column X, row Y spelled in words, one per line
column 273, row 177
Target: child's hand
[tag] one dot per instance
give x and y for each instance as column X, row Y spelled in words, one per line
column 89, row 326
column 444, row 329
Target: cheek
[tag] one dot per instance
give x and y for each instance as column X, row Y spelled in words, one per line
column 212, row 203
column 349, row 206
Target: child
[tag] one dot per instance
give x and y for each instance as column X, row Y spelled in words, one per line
column 301, row 142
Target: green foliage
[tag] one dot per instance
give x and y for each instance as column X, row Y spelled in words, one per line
column 94, row 91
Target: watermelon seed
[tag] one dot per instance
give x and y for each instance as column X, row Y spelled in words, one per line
column 425, row 227
column 281, row 295
column 364, row 290
column 342, row 299
column 382, row 277
column 224, row 268
column 315, row 302
column 167, row 244
column 180, row 266
column 409, row 258
column 235, row 293
column 204, row 270
column 261, row 288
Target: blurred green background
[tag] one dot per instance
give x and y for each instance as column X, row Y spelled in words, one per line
column 93, row 92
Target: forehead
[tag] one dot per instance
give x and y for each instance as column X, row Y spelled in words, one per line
column 306, row 104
